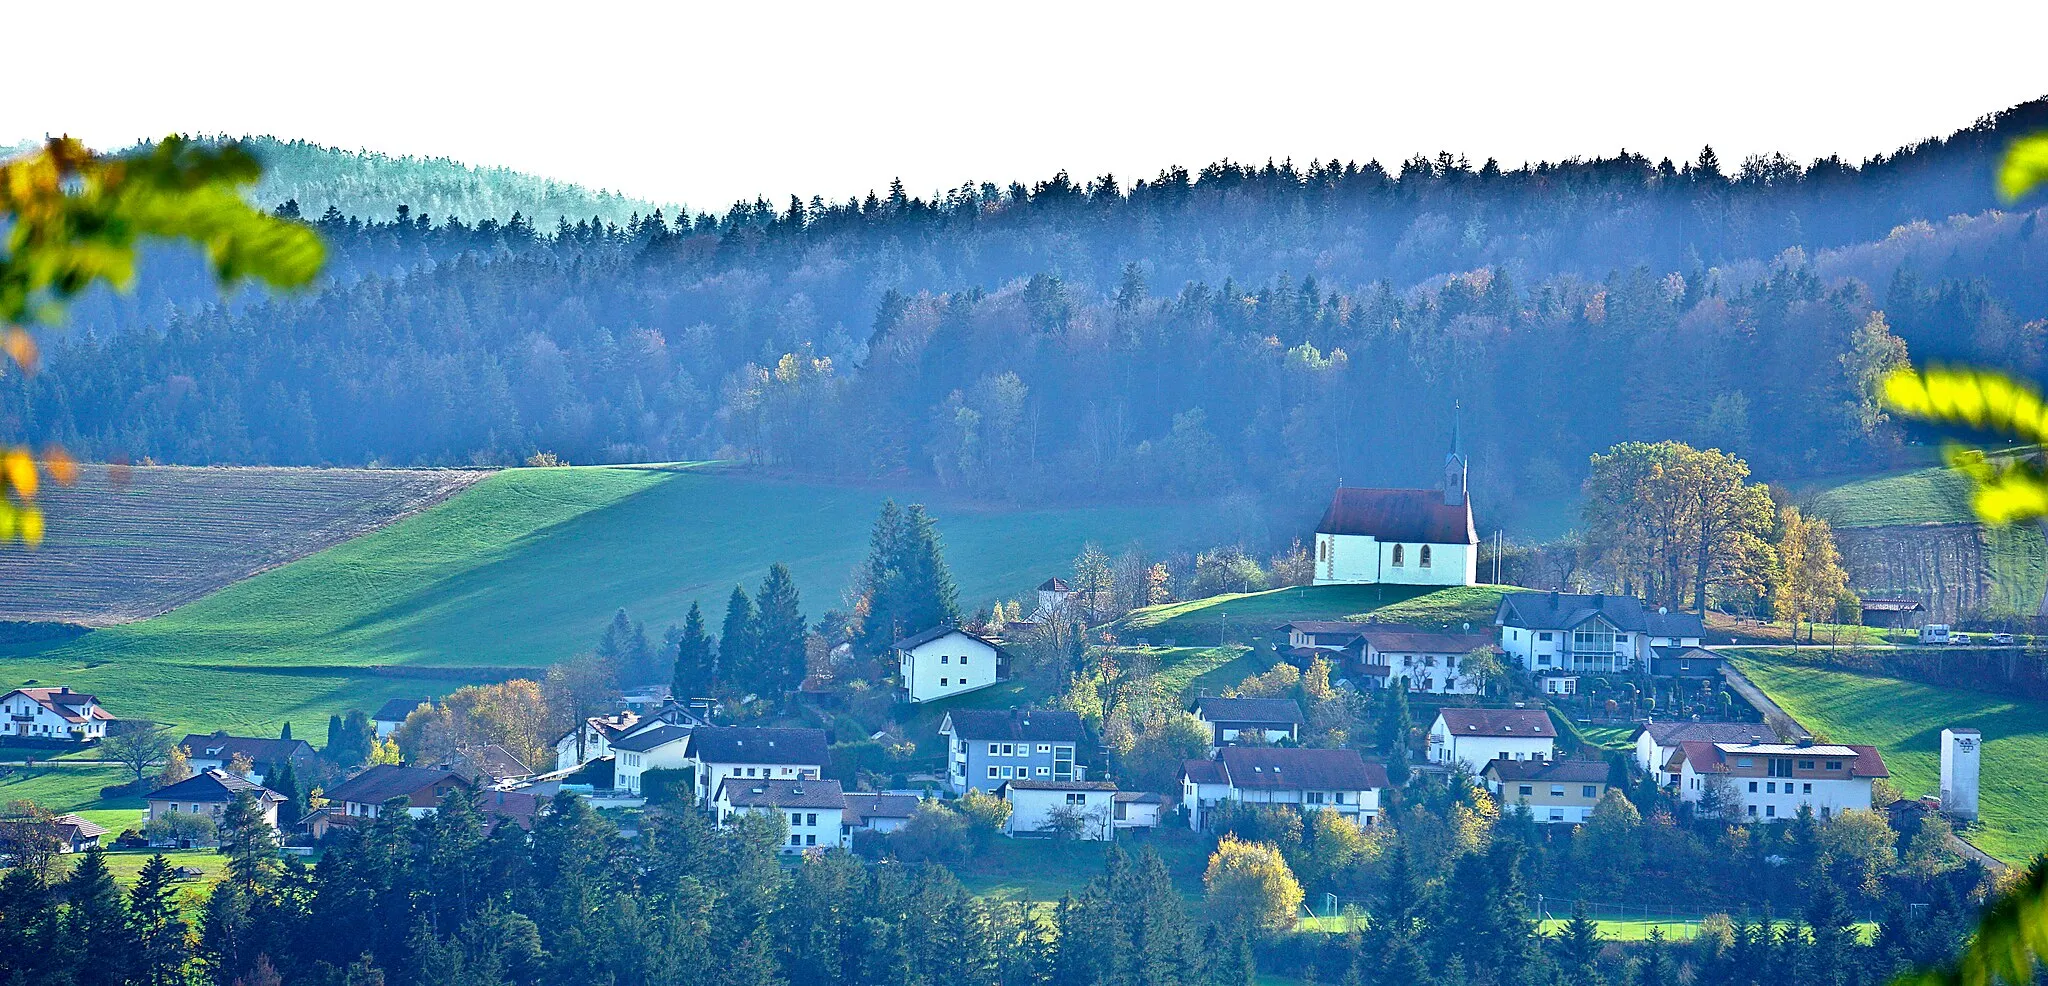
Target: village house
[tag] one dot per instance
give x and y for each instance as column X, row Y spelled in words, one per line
column 1330, row 780
column 208, row 792
column 664, row 747
column 391, row 715
column 77, row 834
column 1656, row 743
column 867, row 811
column 1772, row 781
column 1259, row 721
column 1137, row 810
column 1553, row 791
column 592, row 739
column 750, row 753
column 1431, row 662
column 947, row 661
column 1573, row 632
column 486, row 766
column 1400, row 537
column 1341, row 642
column 1685, row 662
column 219, row 750
column 1045, row 808
column 423, row 788
column 1474, row 737
column 56, row 714
column 986, row 747
column 812, row 807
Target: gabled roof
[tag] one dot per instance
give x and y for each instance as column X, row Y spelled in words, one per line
column 1565, row 610
column 1399, row 515
column 747, row 744
column 75, row 827
column 1021, row 784
column 518, row 807
column 920, row 639
column 222, row 747
column 863, row 805
column 66, row 704
column 1568, row 771
column 1216, row 708
column 386, row 781
column 1712, row 758
column 492, row 761
column 1684, row 653
column 398, row 708
column 213, row 787
column 1139, row 797
column 1205, row 772
column 1525, row 723
column 754, row 792
column 1401, row 641
column 1292, row 768
column 1891, row 605
column 1676, row 731
column 1055, row 584
column 1034, row 725
column 649, row 739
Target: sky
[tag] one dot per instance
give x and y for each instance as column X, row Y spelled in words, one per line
column 705, row 103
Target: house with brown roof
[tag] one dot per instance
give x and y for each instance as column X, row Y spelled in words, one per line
column 1431, row 663
column 365, row 794
column 749, row 753
column 1401, row 536
column 1551, row 791
column 209, row 793
column 814, row 809
column 1761, row 782
column 1045, row 808
column 1254, row 720
column 57, row 715
column 1323, row 780
column 1475, row 737
column 867, row 811
column 219, row 750
column 1656, row 743
column 946, row 661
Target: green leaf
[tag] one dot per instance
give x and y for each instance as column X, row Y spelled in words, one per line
column 2024, row 168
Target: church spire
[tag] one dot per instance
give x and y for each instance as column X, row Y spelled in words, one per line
column 1454, row 462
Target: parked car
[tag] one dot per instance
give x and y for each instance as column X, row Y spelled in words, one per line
column 1959, row 639
column 2001, row 638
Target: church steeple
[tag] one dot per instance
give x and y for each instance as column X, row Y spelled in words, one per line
column 1454, row 462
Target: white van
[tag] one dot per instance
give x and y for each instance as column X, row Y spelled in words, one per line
column 1934, row 633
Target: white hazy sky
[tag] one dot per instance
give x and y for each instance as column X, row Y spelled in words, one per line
column 705, row 103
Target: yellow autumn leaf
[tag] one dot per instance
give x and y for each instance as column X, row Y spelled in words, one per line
column 2024, row 167
column 20, row 469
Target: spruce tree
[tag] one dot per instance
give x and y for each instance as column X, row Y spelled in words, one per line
column 878, row 579
column 333, row 732
column 779, row 646
column 286, row 732
column 929, row 598
column 96, row 923
column 1392, row 730
column 162, row 951
column 1579, row 946
column 249, row 842
column 693, row 656
column 737, row 642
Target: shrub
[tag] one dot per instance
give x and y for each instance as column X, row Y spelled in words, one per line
column 663, row 785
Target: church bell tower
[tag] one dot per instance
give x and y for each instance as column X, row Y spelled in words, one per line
column 1454, row 463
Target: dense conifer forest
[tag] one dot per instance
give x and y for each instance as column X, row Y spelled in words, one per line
column 1261, row 330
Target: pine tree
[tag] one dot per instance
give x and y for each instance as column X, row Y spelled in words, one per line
column 779, row 650
column 877, row 578
column 1580, row 946
column 284, row 779
column 333, row 733
column 929, row 598
column 162, row 951
column 222, row 930
column 693, row 657
column 1656, row 968
column 1391, row 734
column 96, row 924
column 737, row 643
column 286, row 732
column 249, row 842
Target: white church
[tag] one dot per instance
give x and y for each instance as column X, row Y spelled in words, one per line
column 1401, row 537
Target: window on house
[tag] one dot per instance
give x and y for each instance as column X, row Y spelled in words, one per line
column 1752, row 811
column 1805, row 765
column 1076, row 798
column 963, row 682
column 811, row 818
column 1009, row 749
column 1770, row 787
column 1007, row 772
column 796, row 818
column 1557, row 814
column 1528, row 790
column 991, row 770
column 1588, row 791
column 1045, row 747
column 1834, row 765
column 1557, row 790
column 1544, row 636
column 1806, row 788
column 1423, row 561
column 942, row 682
column 994, row 749
column 1315, row 797
column 1340, row 797
column 796, row 840
column 943, row 659
column 1042, row 771
column 1752, row 787
column 1397, row 556
column 1770, row 811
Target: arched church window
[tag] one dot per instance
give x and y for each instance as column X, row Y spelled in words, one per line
column 1397, row 554
column 1425, row 556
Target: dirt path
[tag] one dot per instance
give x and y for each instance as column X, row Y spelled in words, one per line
column 1779, row 720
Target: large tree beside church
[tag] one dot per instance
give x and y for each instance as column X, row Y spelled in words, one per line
column 1675, row 522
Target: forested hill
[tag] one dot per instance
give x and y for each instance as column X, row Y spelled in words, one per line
column 1257, row 330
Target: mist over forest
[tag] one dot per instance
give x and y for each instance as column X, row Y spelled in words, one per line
column 1251, row 331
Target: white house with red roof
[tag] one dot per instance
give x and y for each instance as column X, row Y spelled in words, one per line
column 1432, row 663
column 1762, row 782
column 1477, row 737
column 56, row 714
column 1401, row 537
column 1328, row 780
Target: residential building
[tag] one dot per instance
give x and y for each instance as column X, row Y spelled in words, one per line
column 1685, row 662
column 485, row 766
column 208, row 792
column 1474, row 737
column 1771, row 781
column 592, row 739
column 58, row 715
column 1401, row 537
column 664, row 747
column 986, row 747
column 1553, row 791
column 1656, row 743
column 867, row 811
column 1137, row 810
column 391, row 715
column 422, row 788
column 753, row 753
column 946, row 661
column 219, row 750
column 1249, row 720
column 813, row 808
column 1559, row 684
column 643, row 699
column 1330, row 780
column 1431, row 662
column 77, row 834
column 1042, row 808
column 1574, row 632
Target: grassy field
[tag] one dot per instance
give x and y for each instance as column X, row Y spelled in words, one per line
column 123, row 548
column 1904, row 719
column 1045, row 870
column 1922, row 496
column 524, row 569
column 1255, row 614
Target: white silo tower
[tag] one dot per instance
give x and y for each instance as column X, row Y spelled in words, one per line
column 1961, row 748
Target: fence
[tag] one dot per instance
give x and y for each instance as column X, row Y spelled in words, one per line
column 1617, row 920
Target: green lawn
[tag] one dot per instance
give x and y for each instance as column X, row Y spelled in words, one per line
column 1046, row 869
column 1609, row 737
column 1255, row 614
column 524, row 569
column 1187, row 670
column 1922, row 496
column 1904, row 719
column 63, row 789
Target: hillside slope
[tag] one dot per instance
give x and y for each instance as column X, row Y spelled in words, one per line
column 524, row 570
column 1912, row 534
